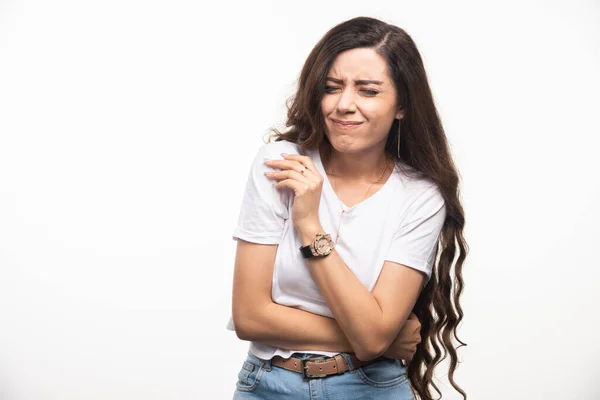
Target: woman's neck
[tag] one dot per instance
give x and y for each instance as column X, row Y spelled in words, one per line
column 367, row 166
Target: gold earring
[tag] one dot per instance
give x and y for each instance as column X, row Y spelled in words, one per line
column 399, row 125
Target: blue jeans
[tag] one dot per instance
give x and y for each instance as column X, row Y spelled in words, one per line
column 382, row 380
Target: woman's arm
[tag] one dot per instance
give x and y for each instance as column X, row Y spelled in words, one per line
column 257, row 318
column 291, row 328
column 326, row 333
column 370, row 320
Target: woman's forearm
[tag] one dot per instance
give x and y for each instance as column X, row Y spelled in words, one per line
column 290, row 328
column 294, row 329
column 356, row 310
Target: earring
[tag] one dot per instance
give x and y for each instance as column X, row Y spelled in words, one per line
column 399, row 125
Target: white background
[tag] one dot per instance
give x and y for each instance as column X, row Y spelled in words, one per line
column 126, row 132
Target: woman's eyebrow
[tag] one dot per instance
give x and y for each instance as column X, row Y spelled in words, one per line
column 356, row 82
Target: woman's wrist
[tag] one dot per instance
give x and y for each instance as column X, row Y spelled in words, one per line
column 308, row 231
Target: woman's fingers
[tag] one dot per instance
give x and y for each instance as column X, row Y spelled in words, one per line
column 297, row 163
column 290, row 175
column 298, row 187
column 303, row 160
column 293, row 165
column 299, row 174
column 287, row 174
column 297, row 183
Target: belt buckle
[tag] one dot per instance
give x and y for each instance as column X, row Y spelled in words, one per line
column 305, row 373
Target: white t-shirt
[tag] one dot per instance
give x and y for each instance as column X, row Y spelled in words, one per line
column 401, row 222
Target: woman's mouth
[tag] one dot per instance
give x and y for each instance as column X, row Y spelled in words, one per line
column 346, row 124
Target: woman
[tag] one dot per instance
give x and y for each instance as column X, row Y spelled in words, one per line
column 351, row 220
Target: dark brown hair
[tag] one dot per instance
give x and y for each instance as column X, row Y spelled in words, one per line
column 424, row 147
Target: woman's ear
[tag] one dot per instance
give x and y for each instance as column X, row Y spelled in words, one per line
column 400, row 113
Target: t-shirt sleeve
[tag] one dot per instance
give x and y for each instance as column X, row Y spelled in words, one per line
column 264, row 207
column 416, row 238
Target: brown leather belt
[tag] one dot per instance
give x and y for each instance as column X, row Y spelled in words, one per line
column 320, row 367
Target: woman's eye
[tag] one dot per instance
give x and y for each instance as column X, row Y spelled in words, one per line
column 329, row 89
column 370, row 92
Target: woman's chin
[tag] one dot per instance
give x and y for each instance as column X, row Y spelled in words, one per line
column 344, row 144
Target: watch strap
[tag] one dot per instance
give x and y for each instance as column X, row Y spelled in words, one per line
column 306, row 251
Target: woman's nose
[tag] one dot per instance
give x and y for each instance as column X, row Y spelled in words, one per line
column 346, row 102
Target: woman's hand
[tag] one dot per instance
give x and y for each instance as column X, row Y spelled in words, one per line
column 405, row 343
column 300, row 174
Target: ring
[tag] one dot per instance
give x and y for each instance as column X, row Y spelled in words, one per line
column 302, row 172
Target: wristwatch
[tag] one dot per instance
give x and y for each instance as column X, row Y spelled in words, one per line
column 320, row 246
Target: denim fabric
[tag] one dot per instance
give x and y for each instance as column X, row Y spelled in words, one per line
column 382, row 380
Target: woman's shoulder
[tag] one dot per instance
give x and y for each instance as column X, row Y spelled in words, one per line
column 415, row 185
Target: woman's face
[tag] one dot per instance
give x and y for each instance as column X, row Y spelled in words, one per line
column 359, row 90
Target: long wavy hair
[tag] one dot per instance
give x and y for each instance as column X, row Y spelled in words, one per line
column 424, row 149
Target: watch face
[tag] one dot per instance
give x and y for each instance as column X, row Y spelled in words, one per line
column 323, row 246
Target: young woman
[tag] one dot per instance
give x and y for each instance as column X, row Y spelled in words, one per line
column 351, row 220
